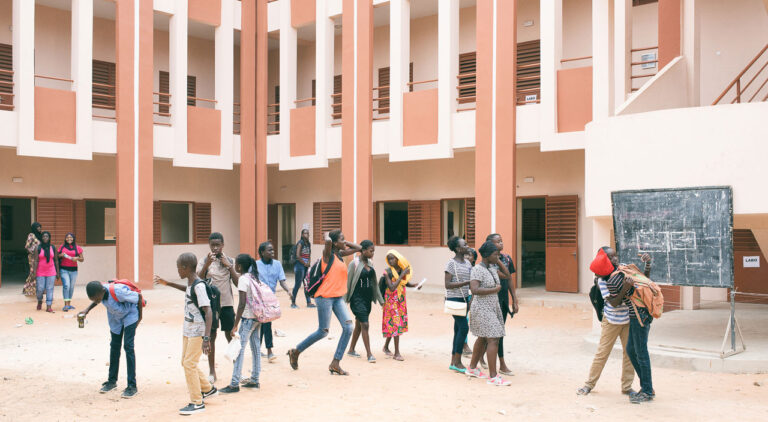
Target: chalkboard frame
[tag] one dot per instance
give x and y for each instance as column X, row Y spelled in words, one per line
column 729, row 264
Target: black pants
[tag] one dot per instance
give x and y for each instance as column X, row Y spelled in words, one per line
column 505, row 312
column 125, row 339
column 266, row 333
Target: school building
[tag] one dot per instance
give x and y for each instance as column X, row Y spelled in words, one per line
column 142, row 126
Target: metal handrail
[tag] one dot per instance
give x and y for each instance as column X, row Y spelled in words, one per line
column 737, row 81
column 202, row 99
column 575, row 59
column 53, row 78
column 421, row 82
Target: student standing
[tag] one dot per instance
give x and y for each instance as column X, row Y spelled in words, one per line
column 46, row 271
column 362, row 291
column 220, row 268
column 506, row 268
column 615, row 324
column 394, row 322
column 33, row 241
column 197, row 325
column 249, row 330
column 70, row 254
column 270, row 272
column 301, row 267
column 124, row 313
column 330, row 298
column 457, row 273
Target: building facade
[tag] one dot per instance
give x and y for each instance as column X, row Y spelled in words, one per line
column 141, row 126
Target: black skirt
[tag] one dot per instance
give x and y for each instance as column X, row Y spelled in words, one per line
column 361, row 307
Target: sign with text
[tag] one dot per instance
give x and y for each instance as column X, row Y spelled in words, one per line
column 751, row 262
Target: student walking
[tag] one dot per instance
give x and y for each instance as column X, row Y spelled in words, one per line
column 301, row 267
column 198, row 319
column 33, row 241
column 394, row 321
column 270, row 271
column 124, row 313
column 362, row 291
column 506, row 268
column 249, row 330
column 220, row 269
column 487, row 323
column 457, row 274
column 69, row 254
column 46, row 271
column 330, row 298
column 615, row 323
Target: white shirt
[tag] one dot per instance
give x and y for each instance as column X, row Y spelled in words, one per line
column 244, row 285
column 194, row 323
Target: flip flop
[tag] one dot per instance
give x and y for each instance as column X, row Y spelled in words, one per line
column 457, row 369
column 354, row 354
column 398, row 358
column 507, row 373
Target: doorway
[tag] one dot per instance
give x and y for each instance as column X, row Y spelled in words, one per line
column 533, row 242
column 281, row 230
column 15, row 222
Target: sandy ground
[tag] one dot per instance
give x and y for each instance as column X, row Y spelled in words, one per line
column 52, row 370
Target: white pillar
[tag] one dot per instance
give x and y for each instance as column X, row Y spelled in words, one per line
column 224, row 75
column 447, row 69
column 81, row 70
column 288, row 63
column 24, row 70
column 622, row 44
column 324, row 40
column 177, row 75
column 551, row 18
column 399, row 59
column 691, row 49
column 602, row 101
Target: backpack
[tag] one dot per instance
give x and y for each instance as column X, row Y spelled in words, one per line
column 596, row 297
column 263, row 303
column 130, row 285
column 214, row 296
column 292, row 255
column 316, row 276
column 647, row 293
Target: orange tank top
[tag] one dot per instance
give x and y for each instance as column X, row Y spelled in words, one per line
column 335, row 283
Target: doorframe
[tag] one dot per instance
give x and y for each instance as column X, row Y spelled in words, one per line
column 33, row 212
column 519, row 249
column 277, row 243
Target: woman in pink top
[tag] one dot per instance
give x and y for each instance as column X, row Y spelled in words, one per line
column 46, row 271
column 70, row 254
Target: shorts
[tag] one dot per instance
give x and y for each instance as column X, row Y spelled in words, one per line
column 227, row 318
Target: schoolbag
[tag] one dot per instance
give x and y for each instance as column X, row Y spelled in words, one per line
column 647, row 293
column 317, row 275
column 263, row 303
column 596, row 297
column 128, row 284
column 214, row 296
column 292, row 255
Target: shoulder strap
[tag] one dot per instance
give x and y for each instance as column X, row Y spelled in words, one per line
column 112, row 292
column 330, row 263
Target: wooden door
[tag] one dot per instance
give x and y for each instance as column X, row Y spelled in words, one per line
column 749, row 279
column 272, row 227
column 562, row 270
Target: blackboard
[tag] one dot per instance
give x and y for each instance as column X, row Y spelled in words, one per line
column 688, row 232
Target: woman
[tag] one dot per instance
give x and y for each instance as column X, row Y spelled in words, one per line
column 395, row 319
column 300, row 268
column 506, row 269
column 33, row 241
column 361, row 292
column 329, row 298
column 70, row 254
column 487, row 323
column 46, row 271
column 457, row 273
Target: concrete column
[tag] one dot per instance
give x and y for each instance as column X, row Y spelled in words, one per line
column 224, row 66
column 485, row 162
column 551, row 21
column 288, row 63
column 363, row 185
column 602, row 68
column 622, row 64
column 81, row 70
column 324, row 40
column 248, row 127
column 691, row 50
column 262, row 29
column 145, row 141
column 177, row 75
column 399, row 60
column 24, row 69
column 669, row 31
column 447, row 68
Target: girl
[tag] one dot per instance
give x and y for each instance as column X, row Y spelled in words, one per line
column 70, row 254
column 361, row 291
column 46, row 271
column 301, row 267
column 33, row 241
column 395, row 319
column 457, row 290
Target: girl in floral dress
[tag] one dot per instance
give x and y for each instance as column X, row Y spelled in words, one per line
column 395, row 320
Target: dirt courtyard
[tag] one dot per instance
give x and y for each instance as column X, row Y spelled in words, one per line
column 52, row 371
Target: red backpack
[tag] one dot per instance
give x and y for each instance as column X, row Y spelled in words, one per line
column 130, row 285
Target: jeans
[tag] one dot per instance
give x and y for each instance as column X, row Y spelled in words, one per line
column 637, row 349
column 326, row 305
column 126, row 337
column 266, row 334
column 197, row 381
column 249, row 332
column 45, row 285
column 608, row 336
column 68, row 280
column 300, row 271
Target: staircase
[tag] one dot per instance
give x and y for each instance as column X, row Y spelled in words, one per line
column 756, row 86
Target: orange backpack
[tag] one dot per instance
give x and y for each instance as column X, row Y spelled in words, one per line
column 647, row 293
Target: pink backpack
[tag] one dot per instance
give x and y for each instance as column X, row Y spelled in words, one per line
column 263, row 303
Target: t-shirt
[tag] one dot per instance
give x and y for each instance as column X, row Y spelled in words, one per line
column 46, row 268
column 194, row 323
column 68, row 264
column 220, row 277
column 304, row 252
column 459, row 272
column 270, row 273
column 121, row 312
column 506, row 260
column 618, row 315
column 244, row 285
column 335, row 283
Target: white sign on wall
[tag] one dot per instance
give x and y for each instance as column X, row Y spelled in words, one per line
column 751, row 262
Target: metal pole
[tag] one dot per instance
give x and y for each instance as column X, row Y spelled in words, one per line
column 733, row 320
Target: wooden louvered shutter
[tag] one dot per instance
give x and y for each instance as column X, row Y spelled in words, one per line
column 326, row 216
column 383, row 92
column 79, row 219
column 337, row 98
column 272, row 211
column 164, row 87
column 157, row 220
column 6, row 76
column 376, row 226
column 562, row 215
column 202, row 221
column 191, row 90
column 55, row 215
column 469, row 221
column 468, row 83
column 528, row 70
column 314, row 91
column 424, row 228
column 748, row 279
column 744, row 241
column 410, row 77
column 103, row 89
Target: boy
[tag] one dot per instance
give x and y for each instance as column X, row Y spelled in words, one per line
column 221, row 270
column 270, row 272
column 123, row 315
column 197, row 325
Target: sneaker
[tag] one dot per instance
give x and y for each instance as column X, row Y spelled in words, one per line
column 191, row 409
column 212, row 392
column 129, row 392
column 498, row 381
column 251, row 384
column 107, row 387
column 65, row 309
column 311, row 305
column 476, row 373
column 230, row 389
column 271, row 357
column 640, row 397
column 294, row 306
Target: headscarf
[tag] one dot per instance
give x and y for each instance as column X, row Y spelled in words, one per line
column 46, row 247
column 403, row 264
column 36, row 230
column 66, row 245
column 602, row 265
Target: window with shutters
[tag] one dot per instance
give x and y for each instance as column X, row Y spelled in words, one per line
column 6, row 77
column 181, row 222
column 383, row 93
column 165, row 88
column 314, row 91
column 413, row 223
column 55, row 216
column 337, row 97
column 469, row 220
column 529, row 72
column 393, row 223
column 467, row 77
column 100, row 221
column 744, row 241
column 326, row 216
column 454, row 219
column 103, row 85
column 277, row 109
column 191, row 90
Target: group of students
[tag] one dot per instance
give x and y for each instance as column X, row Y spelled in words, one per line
column 48, row 263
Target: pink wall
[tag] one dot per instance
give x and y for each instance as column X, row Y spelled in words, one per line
column 420, row 117
column 205, row 11
column 302, row 131
column 55, row 115
column 302, row 12
column 574, row 99
column 203, row 131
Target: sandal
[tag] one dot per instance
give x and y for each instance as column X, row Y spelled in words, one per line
column 337, row 371
column 507, row 373
column 583, row 391
column 371, row 359
column 353, row 354
column 398, row 358
column 457, row 369
column 293, row 358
